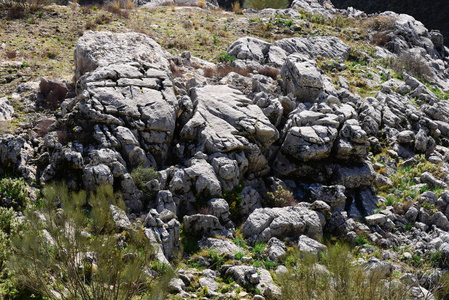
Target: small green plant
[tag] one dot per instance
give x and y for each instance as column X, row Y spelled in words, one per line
column 239, row 255
column 95, row 8
column 215, row 39
column 240, row 242
column 259, row 247
column 226, row 58
column 270, row 265
column 435, row 259
column 361, row 240
column 408, row 226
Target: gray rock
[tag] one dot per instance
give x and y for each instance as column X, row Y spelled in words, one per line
column 379, row 268
column 163, row 230
column 6, row 110
column 164, row 201
column 315, row 6
column 309, row 143
column 317, row 46
column 301, row 77
column 121, row 48
column 249, row 48
column 333, row 195
column 210, row 283
column 430, row 180
column 376, row 219
column 176, row 285
column 355, row 176
column 120, row 218
column 241, row 274
column 96, row 176
column 202, row 225
column 310, row 246
column 406, row 137
column 353, row 142
column 265, row 223
column 222, row 246
column 275, row 249
column 202, row 174
column 16, row 153
column 219, row 208
column 223, row 117
column 440, row 220
column 251, row 200
column 412, row 214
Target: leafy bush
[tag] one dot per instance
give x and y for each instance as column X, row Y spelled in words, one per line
column 14, row 193
column 141, row 176
column 70, row 249
column 261, row 4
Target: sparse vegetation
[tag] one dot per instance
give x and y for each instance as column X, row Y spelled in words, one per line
column 281, row 197
column 70, row 246
column 261, row 4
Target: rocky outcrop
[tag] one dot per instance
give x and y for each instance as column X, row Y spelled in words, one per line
column 265, row 223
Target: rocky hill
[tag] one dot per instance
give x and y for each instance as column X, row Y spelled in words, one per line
column 259, row 152
column 433, row 15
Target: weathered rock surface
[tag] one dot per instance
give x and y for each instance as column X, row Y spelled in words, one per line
column 265, row 223
column 301, row 77
column 6, row 110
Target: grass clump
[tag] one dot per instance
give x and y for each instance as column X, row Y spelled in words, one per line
column 259, row 247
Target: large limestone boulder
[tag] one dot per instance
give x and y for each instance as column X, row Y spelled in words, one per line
column 265, row 223
column 301, row 77
column 99, row 49
column 309, row 142
column 225, row 120
column 324, row 46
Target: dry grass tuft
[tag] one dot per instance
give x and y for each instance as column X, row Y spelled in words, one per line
column 11, row 54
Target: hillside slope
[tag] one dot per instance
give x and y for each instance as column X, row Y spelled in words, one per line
column 433, row 14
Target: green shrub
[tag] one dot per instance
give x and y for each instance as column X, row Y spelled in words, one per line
column 226, row 58
column 70, row 247
column 281, row 198
column 333, row 276
column 141, row 176
column 261, row 4
column 14, row 193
